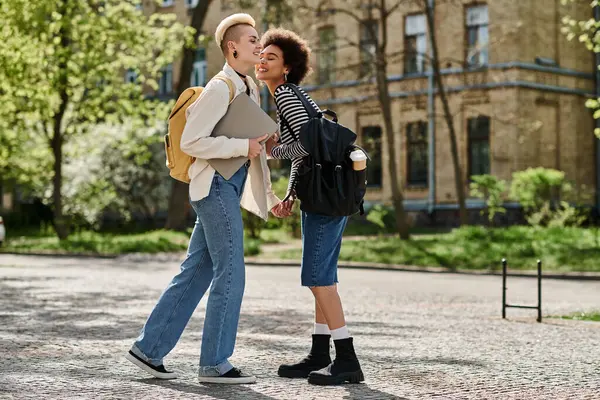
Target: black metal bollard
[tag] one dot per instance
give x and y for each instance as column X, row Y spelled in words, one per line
column 539, row 273
column 504, row 288
column 539, row 287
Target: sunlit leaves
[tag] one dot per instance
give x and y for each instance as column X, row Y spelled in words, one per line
column 81, row 48
column 588, row 33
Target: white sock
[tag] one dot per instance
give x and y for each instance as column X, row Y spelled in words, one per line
column 321, row 329
column 340, row 333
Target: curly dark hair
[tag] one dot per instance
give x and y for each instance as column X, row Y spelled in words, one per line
column 296, row 53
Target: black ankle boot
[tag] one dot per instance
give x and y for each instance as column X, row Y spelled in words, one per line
column 317, row 358
column 345, row 367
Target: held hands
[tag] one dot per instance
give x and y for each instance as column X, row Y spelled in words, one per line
column 272, row 142
column 255, row 147
column 284, row 209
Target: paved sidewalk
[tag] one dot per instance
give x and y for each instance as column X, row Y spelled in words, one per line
column 65, row 324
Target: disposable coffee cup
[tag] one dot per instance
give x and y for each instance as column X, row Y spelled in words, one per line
column 359, row 160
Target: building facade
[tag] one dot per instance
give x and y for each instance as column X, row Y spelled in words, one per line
column 516, row 89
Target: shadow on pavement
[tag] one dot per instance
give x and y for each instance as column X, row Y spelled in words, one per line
column 75, row 315
column 279, row 322
column 419, row 361
column 363, row 391
column 359, row 391
column 217, row 391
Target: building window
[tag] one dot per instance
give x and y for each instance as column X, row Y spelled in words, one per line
column 130, row 76
column 417, row 153
column 326, row 55
column 165, row 84
column 368, row 47
column 415, row 44
column 191, row 3
column 371, row 140
column 167, row 3
column 198, row 77
column 477, row 36
column 478, row 131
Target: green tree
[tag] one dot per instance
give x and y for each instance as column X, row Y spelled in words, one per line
column 62, row 66
column 586, row 31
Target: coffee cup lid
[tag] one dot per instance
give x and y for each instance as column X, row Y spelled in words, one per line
column 358, row 155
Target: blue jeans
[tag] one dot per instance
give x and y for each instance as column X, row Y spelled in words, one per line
column 321, row 244
column 215, row 255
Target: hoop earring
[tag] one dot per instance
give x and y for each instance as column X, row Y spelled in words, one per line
column 235, row 54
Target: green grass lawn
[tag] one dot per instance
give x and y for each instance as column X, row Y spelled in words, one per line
column 274, row 236
column 560, row 249
column 109, row 244
column 582, row 316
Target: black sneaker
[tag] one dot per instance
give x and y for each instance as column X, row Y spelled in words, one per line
column 156, row 371
column 233, row 376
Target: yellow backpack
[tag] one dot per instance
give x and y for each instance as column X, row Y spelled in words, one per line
column 177, row 161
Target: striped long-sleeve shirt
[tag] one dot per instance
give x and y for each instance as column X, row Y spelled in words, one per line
column 290, row 108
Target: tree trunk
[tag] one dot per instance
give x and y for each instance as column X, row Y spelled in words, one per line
column 61, row 224
column 435, row 62
column 177, row 214
column 385, row 101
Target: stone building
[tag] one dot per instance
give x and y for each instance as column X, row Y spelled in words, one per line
column 516, row 88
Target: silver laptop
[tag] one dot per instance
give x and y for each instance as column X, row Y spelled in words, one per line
column 244, row 120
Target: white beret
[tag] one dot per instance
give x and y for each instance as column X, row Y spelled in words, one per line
column 231, row 21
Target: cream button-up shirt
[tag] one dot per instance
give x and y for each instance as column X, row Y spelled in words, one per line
column 202, row 116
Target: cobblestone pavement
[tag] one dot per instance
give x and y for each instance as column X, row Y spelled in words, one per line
column 66, row 323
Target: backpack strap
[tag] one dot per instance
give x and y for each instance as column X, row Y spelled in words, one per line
column 312, row 113
column 229, row 85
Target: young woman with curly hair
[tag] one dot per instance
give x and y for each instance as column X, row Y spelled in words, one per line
column 284, row 61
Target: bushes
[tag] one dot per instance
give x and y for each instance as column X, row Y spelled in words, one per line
column 253, row 225
column 490, row 189
column 383, row 217
column 535, row 187
column 542, row 192
column 117, row 169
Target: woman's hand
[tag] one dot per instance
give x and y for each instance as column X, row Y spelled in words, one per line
column 288, row 206
column 276, row 211
column 272, row 142
column 283, row 209
column 254, row 147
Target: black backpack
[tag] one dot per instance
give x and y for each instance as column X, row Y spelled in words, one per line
column 325, row 183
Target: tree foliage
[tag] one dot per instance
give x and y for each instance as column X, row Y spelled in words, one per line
column 62, row 66
column 490, row 189
column 586, row 31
